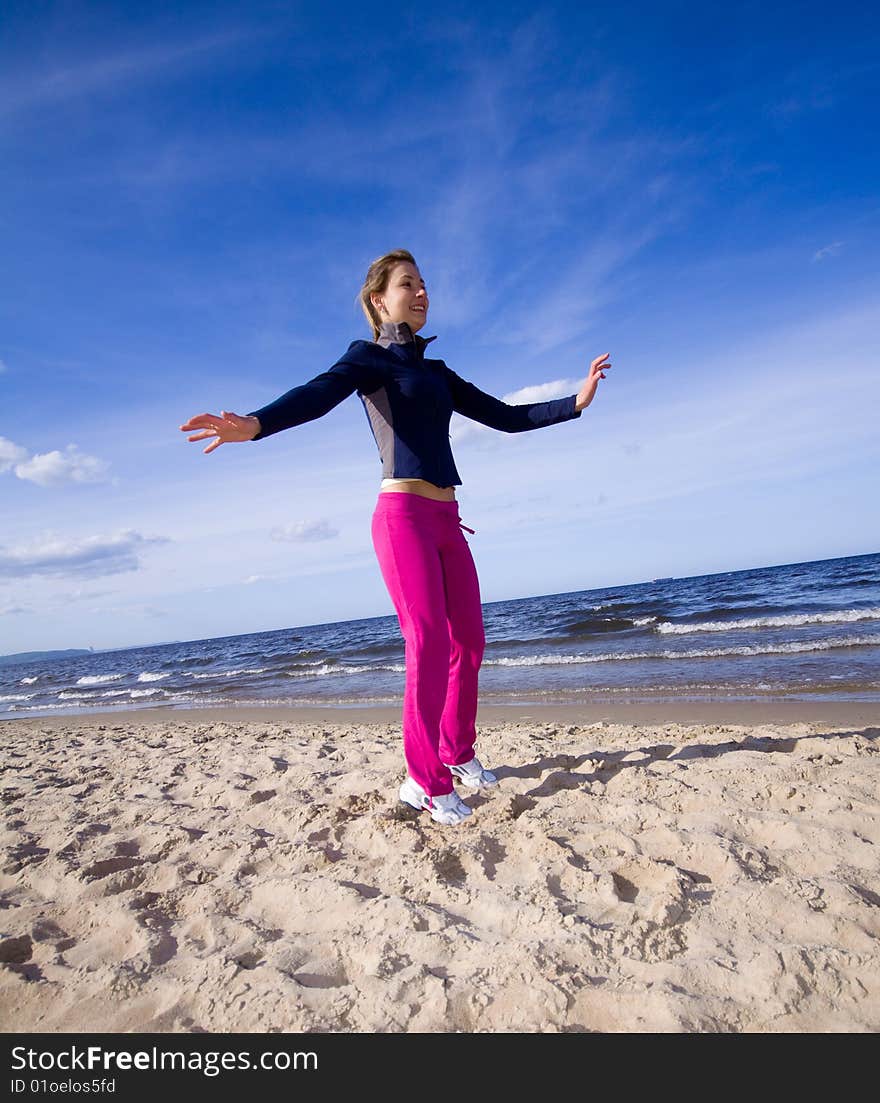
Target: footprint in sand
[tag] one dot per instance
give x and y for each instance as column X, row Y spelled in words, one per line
column 448, row 866
column 117, row 940
column 658, row 891
column 27, row 853
column 16, row 950
column 98, row 870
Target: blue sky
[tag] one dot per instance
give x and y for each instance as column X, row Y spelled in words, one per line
column 191, row 195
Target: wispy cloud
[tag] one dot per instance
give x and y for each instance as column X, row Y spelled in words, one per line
column 305, row 531
column 52, row 556
column 108, row 73
column 828, row 250
column 3, row 367
column 543, row 208
column 564, row 304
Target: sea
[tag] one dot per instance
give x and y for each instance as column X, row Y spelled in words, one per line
column 806, row 631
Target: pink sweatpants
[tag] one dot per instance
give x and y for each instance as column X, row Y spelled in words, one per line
column 431, row 577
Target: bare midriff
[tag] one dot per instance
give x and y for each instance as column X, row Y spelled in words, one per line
column 418, row 486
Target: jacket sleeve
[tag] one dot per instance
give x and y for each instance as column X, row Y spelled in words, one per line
column 317, row 397
column 479, row 406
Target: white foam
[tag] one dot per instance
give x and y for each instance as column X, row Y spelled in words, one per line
column 325, row 668
column 37, row 708
column 840, row 616
column 28, row 681
column 17, row 696
column 148, row 676
column 223, row 673
column 707, row 653
column 144, row 692
column 97, row 679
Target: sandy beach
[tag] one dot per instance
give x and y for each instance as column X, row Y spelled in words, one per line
column 654, row 868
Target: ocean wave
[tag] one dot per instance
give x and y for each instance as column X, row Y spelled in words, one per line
column 396, row 668
column 708, row 653
column 225, row 673
column 17, row 696
column 94, row 705
column 28, row 681
column 144, row 692
column 36, row 708
column 839, row 616
column 714, row 692
column 149, row 676
column 97, row 679
column 378, row 648
column 279, row 658
column 594, row 625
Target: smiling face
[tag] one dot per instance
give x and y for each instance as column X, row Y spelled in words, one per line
column 405, row 299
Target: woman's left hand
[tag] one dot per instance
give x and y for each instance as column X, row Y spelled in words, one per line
column 597, row 372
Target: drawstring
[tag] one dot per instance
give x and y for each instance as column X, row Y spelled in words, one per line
column 466, row 529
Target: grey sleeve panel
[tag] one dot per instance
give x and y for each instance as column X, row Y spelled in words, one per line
column 381, row 422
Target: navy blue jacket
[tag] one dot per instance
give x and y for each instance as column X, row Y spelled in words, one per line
column 409, row 401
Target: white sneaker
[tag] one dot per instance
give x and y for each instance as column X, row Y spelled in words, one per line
column 473, row 774
column 448, row 809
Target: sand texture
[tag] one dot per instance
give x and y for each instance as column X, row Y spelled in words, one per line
column 183, row 875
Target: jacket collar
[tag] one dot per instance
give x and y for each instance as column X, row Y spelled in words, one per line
column 399, row 333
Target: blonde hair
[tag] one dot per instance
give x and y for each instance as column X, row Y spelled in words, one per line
column 377, row 278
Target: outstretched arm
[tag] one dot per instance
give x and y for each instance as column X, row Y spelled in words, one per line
column 488, row 410
column 299, row 405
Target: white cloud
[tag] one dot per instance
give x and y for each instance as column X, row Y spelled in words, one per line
column 10, row 454
column 56, row 557
column 303, row 531
column 828, row 250
column 543, row 392
column 56, row 468
column 462, row 428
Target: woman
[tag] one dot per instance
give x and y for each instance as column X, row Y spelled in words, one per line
column 425, row 560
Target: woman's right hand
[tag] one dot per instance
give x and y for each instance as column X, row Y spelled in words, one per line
column 225, row 427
